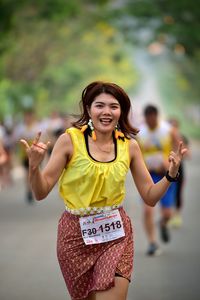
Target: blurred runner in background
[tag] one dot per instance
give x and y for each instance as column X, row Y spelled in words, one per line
column 3, row 158
column 3, row 161
column 28, row 128
column 176, row 220
column 156, row 139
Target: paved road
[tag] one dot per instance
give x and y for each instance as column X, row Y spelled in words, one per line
column 28, row 263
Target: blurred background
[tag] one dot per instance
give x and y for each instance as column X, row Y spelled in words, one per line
column 49, row 51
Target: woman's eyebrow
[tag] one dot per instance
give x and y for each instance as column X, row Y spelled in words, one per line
column 98, row 102
column 112, row 103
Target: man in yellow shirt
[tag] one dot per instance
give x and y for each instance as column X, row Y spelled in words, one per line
column 157, row 139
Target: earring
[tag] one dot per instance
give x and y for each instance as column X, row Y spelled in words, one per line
column 90, row 124
column 118, row 133
column 83, row 128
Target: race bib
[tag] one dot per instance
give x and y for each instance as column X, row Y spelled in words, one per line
column 102, row 227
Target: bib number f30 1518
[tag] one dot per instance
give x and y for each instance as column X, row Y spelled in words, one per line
column 102, row 227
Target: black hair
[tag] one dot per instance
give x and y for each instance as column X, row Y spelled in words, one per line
column 150, row 109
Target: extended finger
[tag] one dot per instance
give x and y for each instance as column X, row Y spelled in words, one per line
column 185, row 150
column 36, row 140
column 179, row 150
column 25, row 144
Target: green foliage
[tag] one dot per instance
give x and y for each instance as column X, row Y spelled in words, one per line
column 176, row 21
column 51, row 49
column 180, row 100
column 173, row 27
column 54, row 59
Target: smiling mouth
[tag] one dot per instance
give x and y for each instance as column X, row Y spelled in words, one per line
column 106, row 121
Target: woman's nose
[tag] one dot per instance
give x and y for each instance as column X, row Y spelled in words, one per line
column 106, row 110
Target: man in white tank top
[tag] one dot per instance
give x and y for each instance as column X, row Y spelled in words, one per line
column 156, row 139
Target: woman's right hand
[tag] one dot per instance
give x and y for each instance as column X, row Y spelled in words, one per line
column 36, row 151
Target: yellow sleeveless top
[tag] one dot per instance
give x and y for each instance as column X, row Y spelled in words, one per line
column 87, row 185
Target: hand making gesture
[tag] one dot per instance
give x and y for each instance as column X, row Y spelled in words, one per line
column 36, row 151
column 175, row 160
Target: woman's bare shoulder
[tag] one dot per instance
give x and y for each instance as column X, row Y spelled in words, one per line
column 65, row 137
column 64, row 143
column 134, row 147
column 133, row 144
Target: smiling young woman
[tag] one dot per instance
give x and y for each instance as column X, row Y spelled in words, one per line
column 91, row 161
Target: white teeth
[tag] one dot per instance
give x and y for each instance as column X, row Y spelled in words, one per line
column 106, row 120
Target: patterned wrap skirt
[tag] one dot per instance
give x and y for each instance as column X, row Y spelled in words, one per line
column 90, row 268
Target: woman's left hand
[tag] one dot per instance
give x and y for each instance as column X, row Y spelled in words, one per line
column 175, row 160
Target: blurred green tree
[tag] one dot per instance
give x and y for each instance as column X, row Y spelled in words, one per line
column 53, row 48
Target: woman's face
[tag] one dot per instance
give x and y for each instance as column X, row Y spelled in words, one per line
column 105, row 112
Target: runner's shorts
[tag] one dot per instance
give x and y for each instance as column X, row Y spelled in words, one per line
column 168, row 200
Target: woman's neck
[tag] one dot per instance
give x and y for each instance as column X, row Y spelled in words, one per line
column 104, row 138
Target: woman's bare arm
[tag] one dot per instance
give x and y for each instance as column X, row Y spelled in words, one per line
column 151, row 193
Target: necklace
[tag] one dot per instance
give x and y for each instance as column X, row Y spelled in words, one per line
column 106, row 149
